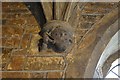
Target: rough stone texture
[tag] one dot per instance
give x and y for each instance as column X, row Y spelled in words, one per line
column 45, row 63
column 16, row 63
column 37, row 75
column 102, row 28
column 20, row 39
column 17, row 25
column 15, row 75
column 54, row 75
column 33, row 46
column 25, row 41
column 5, row 57
column 11, row 42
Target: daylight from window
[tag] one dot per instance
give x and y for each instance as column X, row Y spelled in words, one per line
column 114, row 71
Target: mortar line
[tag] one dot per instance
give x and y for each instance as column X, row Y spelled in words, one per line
column 26, row 57
column 36, row 71
column 45, row 75
column 24, row 31
column 10, row 58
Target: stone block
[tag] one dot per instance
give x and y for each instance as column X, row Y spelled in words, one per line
column 16, row 63
column 45, row 63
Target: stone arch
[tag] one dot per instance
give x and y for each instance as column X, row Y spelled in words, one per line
column 107, row 64
column 111, row 48
column 105, row 37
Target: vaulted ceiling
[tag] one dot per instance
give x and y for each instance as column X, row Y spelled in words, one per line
column 22, row 23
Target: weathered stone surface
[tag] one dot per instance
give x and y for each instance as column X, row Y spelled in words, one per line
column 10, row 31
column 45, row 63
column 16, row 63
column 15, row 11
column 2, row 42
column 54, row 75
column 1, row 31
column 83, row 54
column 13, row 42
column 15, row 75
column 14, row 21
column 32, row 21
column 99, row 8
column 5, row 57
column 69, row 10
column 79, row 34
column 74, row 15
column 19, row 52
column 87, row 41
column 32, row 29
column 12, row 5
column 25, row 41
column 58, row 36
column 33, row 47
column 101, row 27
column 16, row 15
column 59, row 10
column 18, row 20
column 37, row 75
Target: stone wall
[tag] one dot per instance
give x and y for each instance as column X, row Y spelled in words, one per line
column 20, row 37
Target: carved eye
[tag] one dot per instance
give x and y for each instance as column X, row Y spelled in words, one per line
column 56, row 34
column 61, row 34
column 70, row 40
column 65, row 34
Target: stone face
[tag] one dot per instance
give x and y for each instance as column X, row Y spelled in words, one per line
column 58, row 36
